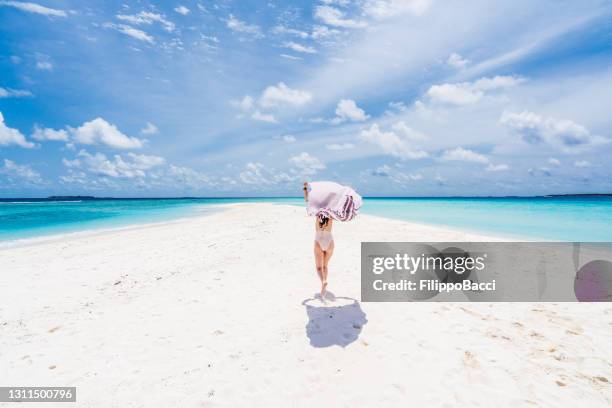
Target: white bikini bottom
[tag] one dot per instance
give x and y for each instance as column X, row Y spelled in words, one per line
column 324, row 238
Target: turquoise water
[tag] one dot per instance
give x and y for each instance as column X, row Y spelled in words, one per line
column 28, row 219
column 584, row 219
column 558, row 218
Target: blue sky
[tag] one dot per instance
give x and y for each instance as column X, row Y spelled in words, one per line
column 250, row 98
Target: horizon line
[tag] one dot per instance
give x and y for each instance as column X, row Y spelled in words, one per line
column 93, row 198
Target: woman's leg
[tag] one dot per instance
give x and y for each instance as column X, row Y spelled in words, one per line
column 326, row 256
column 318, row 255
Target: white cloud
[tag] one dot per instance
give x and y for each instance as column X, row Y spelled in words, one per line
column 554, row 162
column 273, row 97
column 135, row 33
column 582, row 163
column 34, row 8
column 497, row 82
column 145, row 162
column 381, row 58
column 289, row 139
column 20, row 172
column 340, row 146
column 256, row 174
column 454, row 94
column 545, row 171
column 99, row 131
column 394, row 175
column 71, row 163
column 148, row 18
column 49, row 134
column 149, row 129
column 44, row 66
column 299, row 47
column 280, row 30
column 408, row 132
column 237, row 25
column 466, row 155
column 466, row 93
column 263, row 117
column 457, row 61
column 281, row 94
column 497, row 167
column 397, row 107
column 283, row 177
column 347, row 109
column 291, row 57
column 253, row 174
column 316, row 120
column 78, row 177
column 403, row 178
column 337, row 2
column 391, row 8
column 182, row 10
column 13, row 93
column 189, row 177
column 131, row 31
column 245, row 104
column 392, row 143
column 470, row 156
column 543, row 35
column 307, row 164
column 135, row 165
column 563, row 134
column 381, row 171
column 210, row 38
column 334, row 17
column 10, row 136
column 322, row 32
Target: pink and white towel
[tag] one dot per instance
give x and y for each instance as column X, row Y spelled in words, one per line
column 332, row 200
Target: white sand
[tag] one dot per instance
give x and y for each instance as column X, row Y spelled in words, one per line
column 208, row 312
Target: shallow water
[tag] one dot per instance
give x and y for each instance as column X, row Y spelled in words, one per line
column 554, row 218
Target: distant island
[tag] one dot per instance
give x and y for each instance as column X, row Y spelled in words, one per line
column 582, row 195
column 93, row 198
column 72, row 198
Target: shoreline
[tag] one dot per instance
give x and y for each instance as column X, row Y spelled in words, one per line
column 88, row 232
column 102, row 230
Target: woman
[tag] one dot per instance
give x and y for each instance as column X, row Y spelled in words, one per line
column 328, row 201
column 323, row 248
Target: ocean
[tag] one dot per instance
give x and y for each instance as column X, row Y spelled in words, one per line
column 570, row 218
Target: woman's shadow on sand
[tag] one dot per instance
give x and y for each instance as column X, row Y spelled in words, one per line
column 333, row 320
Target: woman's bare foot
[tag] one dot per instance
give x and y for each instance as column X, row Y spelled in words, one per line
column 323, row 289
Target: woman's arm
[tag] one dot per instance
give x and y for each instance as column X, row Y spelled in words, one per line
column 305, row 189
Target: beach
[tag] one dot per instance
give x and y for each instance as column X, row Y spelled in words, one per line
column 219, row 310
